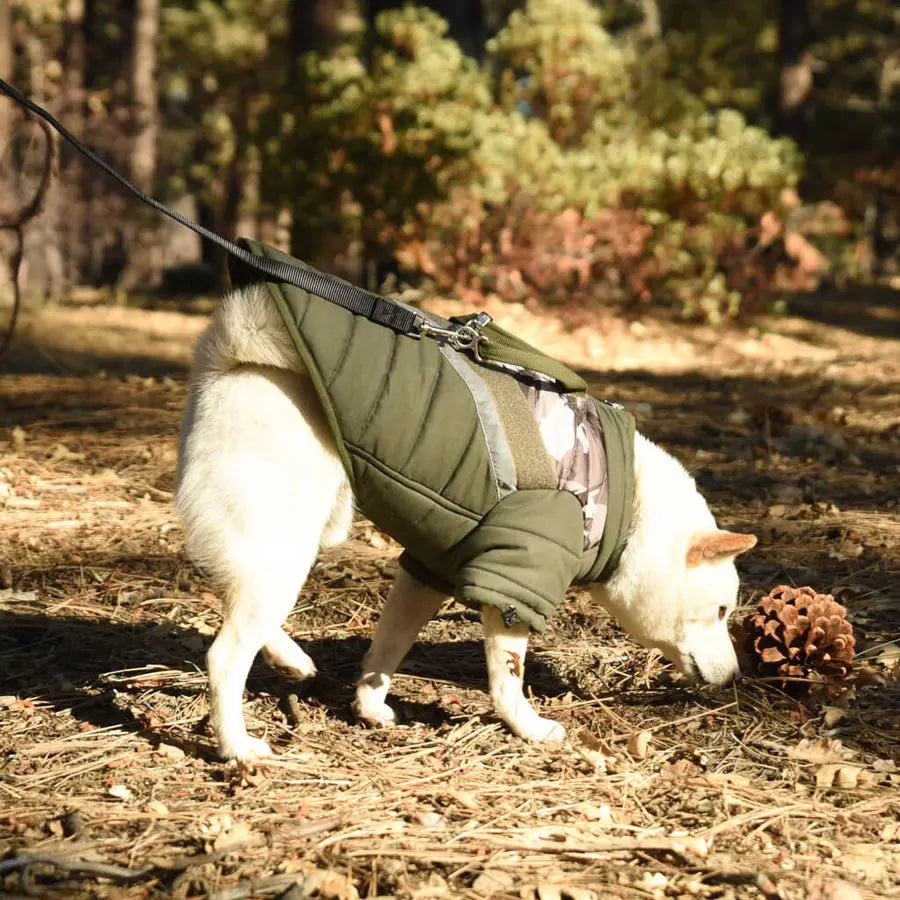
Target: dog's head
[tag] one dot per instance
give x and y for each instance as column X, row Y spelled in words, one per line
column 685, row 613
column 676, row 584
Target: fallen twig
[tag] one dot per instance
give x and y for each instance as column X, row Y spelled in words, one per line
column 274, row 884
column 682, row 846
column 79, row 866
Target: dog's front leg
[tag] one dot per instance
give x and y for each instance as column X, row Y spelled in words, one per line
column 505, row 650
column 408, row 607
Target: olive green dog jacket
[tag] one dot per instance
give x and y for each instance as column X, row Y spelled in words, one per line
column 444, row 454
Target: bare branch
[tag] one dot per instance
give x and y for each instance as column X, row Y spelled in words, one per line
column 15, row 221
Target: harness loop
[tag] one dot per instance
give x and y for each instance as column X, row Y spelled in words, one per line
column 465, row 338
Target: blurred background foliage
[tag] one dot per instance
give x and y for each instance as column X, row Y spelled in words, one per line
column 697, row 157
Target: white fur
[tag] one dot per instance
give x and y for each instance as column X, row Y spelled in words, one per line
column 408, row 607
column 504, row 650
column 652, row 594
column 261, row 489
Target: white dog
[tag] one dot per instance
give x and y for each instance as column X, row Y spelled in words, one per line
column 261, row 489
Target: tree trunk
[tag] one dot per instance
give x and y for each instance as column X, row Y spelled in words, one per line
column 795, row 66
column 313, row 25
column 57, row 248
column 314, row 28
column 145, row 94
column 143, row 265
column 7, row 109
column 235, row 180
column 8, row 186
column 74, row 247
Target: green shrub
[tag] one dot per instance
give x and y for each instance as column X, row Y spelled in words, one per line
column 565, row 170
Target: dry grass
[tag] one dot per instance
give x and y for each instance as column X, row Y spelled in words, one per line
column 106, row 765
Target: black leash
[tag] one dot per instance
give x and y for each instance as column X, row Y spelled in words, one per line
column 393, row 315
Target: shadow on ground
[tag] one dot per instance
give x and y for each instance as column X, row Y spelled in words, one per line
column 872, row 311
column 864, row 309
column 88, row 666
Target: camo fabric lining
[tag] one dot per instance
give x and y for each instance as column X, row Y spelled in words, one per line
column 573, row 435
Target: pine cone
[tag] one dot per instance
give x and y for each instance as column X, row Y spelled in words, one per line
column 796, row 632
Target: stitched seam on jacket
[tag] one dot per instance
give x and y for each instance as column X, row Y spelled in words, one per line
column 420, row 427
column 344, row 350
column 367, row 457
column 529, row 590
column 475, row 427
column 537, row 534
column 541, row 535
column 507, row 599
column 381, row 387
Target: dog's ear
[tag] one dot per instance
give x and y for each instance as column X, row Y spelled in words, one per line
column 714, row 545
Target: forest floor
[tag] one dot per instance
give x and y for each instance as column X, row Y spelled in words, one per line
column 107, row 771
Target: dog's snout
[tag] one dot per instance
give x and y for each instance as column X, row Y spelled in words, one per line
column 720, row 674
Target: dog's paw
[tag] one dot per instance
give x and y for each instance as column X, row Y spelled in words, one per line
column 545, row 731
column 375, row 715
column 289, row 660
column 294, row 673
column 245, row 750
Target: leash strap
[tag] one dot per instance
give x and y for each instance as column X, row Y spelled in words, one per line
column 378, row 309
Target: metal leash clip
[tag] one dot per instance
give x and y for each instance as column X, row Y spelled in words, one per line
column 466, row 338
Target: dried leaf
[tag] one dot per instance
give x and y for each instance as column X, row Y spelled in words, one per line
column 889, row 655
column 831, row 889
column 547, row 891
column 840, row 775
column 592, row 749
column 689, row 845
column 237, row 833
column 171, row 752
column 120, row 792
column 731, row 779
column 573, row 892
column 594, row 813
column 639, row 743
column 823, row 751
column 329, row 884
column 429, row 819
column 594, row 757
column 866, row 861
column 654, row 881
column 464, row 799
column 846, row 550
column 492, row 881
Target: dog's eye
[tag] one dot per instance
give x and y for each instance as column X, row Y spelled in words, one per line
column 723, row 611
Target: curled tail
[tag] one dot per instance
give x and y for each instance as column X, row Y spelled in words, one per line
column 247, row 329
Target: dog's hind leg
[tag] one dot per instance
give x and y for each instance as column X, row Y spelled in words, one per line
column 253, row 615
column 280, row 651
column 505, row 649
column 409, row 606
column 255, row 503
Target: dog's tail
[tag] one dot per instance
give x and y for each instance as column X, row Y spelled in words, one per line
column 246, row 329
